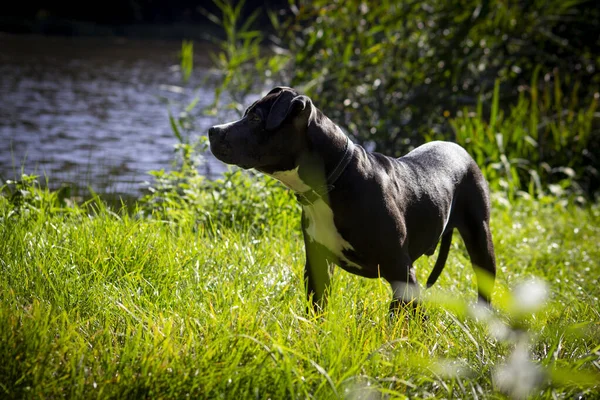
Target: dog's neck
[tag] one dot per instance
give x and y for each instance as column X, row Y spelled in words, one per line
column 326, row 148
column 327, row 153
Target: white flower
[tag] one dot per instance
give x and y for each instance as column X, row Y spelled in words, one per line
column 519, row 376
column 530, row 296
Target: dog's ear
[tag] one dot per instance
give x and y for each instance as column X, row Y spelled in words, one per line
column 278, row 89
column 285, row 105
column 300, row 103
column 301, row 107
column 279, row 110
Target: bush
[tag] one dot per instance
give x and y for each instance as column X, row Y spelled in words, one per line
column 388, row 73
column 27, row 198
column 540, row 146
column 238, row 200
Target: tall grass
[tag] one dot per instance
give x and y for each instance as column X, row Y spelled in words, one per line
column 540, row 147
column 99, row 304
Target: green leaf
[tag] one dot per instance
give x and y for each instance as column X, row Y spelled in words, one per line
column 175, row 127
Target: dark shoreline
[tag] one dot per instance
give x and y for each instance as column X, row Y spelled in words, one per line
column 53, row 26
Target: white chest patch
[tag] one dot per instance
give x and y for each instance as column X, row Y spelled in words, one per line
column 291, row 179
column 322, row 230
column 321, row 227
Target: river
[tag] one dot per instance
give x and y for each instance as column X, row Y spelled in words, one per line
column 94, row 111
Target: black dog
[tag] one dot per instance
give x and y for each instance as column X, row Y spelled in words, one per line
column 370, row 214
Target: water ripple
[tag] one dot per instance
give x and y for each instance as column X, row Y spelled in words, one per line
column 93, row 110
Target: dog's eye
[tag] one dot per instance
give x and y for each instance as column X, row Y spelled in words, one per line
column 254, row 117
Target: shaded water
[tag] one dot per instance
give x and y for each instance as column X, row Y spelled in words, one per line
column 94, row 111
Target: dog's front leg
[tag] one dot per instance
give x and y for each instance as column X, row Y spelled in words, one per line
column 316, row 277
column 316, row 274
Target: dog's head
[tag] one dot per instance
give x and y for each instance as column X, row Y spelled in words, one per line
column 270, row 135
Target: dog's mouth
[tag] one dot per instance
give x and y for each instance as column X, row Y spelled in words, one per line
column 221, row 151
column 224, row 155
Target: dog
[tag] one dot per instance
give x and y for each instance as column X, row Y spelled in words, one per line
column 370, row 214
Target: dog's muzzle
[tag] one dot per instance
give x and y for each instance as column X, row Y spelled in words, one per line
column 214, row 132
column 218, row 145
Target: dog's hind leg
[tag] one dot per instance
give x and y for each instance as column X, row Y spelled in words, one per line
column 472, row 219
column 478, row 241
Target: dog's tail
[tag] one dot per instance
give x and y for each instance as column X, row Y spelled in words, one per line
column 441, row 260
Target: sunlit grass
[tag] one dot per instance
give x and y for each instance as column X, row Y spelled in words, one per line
column 98, row 304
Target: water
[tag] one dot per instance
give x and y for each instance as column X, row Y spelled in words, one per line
column 94, row 111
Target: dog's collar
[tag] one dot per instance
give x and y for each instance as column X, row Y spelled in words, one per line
column 308, row 197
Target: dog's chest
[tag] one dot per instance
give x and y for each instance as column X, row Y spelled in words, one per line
column 321, row 228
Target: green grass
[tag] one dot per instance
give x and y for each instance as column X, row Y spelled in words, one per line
column 103, row 305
